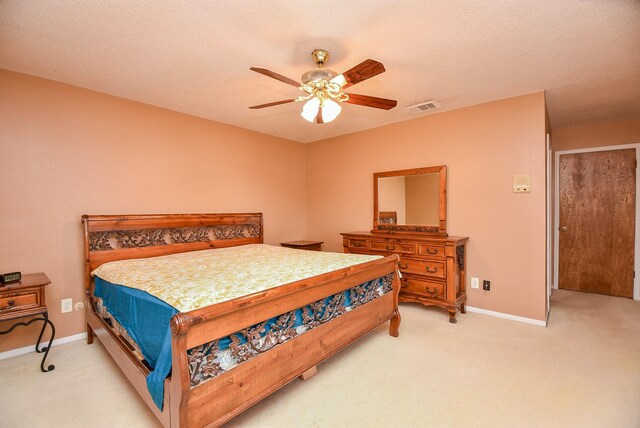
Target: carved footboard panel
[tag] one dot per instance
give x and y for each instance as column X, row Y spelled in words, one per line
column 236, row 390
column 266, row 348
column 218, row 356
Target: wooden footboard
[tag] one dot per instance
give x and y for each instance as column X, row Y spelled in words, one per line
column 215, row 401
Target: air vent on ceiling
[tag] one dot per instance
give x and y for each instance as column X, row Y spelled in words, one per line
column 422, row 107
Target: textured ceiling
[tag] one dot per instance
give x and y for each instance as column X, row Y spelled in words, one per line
column 194, row 56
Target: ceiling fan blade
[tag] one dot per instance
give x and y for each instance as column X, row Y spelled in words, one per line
column 275, row 103
column 363, row 71
column 368, row 101
column 276, row 76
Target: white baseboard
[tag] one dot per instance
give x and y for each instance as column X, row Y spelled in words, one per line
column 32, row 348
column 507, row 316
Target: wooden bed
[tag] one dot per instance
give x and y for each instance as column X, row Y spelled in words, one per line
column 214, row 402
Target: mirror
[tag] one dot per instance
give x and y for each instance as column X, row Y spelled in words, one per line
column 410, row 200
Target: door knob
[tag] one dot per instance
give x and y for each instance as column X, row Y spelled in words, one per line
column 563, row 228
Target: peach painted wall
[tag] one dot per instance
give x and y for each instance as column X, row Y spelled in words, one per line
column 67, row 151
column 596, row 134
column 483, row 147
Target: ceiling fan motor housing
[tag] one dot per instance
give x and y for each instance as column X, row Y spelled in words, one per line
column 320, row 74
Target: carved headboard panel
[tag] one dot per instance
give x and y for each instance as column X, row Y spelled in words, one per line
column 388, row 217
column 118, row 237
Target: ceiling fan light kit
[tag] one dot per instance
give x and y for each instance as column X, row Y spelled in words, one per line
column 321, row 91
column 318, row 111
column 324, row 88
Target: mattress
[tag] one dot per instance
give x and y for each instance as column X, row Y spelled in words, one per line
column 143, row 294
column 196, row 279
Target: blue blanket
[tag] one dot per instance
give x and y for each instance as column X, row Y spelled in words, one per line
column 146, row 319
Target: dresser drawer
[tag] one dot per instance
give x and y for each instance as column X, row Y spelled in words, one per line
column 17, row 301
column 435, row 251
column 355, row 243
column 431, row 268
column 424, row 287
column 393, row 247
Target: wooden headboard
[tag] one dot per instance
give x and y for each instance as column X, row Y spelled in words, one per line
column 388, row 217
column 118, row 237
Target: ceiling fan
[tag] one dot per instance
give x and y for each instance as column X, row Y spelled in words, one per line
column 323, row 89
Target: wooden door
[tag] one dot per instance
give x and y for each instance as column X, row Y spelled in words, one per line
column 597, row 221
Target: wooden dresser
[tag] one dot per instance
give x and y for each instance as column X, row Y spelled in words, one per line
column 432, row 267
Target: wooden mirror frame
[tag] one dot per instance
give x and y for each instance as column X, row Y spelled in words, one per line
column 440, row 229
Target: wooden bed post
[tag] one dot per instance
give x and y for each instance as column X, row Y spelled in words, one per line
column 180, row 384
column 87, row 277
column 394, row 325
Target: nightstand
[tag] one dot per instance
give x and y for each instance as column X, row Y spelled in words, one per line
column 25, row 298
column 304, row 245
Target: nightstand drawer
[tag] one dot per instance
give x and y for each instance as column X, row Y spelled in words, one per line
column 430, row 268
column 20, row 300
column 393, row 247
column 425, row 288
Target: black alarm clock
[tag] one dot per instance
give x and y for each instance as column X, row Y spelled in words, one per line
column 10, row 277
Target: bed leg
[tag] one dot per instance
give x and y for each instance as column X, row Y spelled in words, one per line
column 308, row 373
column 394, row 325
column 89, row 335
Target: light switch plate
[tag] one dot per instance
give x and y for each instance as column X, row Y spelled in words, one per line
column 475, row 282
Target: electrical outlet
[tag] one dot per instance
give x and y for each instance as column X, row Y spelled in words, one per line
column 67, row 305
column 486, row 285
column 475, row 282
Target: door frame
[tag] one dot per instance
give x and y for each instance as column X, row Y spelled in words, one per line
column 556, row 217
column 549, row 221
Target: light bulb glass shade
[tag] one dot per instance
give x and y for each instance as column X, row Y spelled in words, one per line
column 310, row 109
column 330, row 110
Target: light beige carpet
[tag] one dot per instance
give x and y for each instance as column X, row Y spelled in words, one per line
column 583, row 370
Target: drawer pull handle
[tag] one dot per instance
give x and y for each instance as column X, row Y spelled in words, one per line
column 391, row 247
column 11, row 304
column 433, row 293
column 432, row 270
column 357, row 244
column 432, row 251
column 403, row 265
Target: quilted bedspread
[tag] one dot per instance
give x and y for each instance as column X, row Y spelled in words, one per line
column 197, row 279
